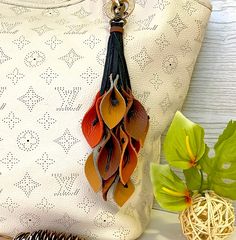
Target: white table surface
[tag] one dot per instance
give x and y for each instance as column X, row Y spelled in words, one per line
column 165, row 226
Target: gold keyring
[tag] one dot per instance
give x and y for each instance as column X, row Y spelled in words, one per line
column 116, row 2
column 127, row 5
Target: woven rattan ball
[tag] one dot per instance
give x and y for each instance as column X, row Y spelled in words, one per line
column 210, row 217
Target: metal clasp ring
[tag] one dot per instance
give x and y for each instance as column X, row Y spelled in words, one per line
column 116, row 2
column 119, row 8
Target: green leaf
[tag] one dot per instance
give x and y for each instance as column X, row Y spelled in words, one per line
column 184, row 143
column 227, row 133
column 195, row 180
column 221, row 169
column 169, row 190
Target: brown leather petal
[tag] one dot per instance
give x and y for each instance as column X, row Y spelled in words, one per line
column 92, row 123
column 123, row 193
column 127, row 93
column 136, row 122
column 124, row 139
column 129, row 99
column 101, row 144
column 92, row 174
column 136, row 144
column 109, row 157
column 106, row 185
column 128, row 163
column 113, row 106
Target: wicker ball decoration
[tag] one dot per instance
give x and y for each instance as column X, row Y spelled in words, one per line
column 210, row 217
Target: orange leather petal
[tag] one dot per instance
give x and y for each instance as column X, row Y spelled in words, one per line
column 107, row 185
column 128, row 163
column 92, row 124
column 136, row 121
column 123, row 193
column 92, row 174
column 109, row 157
column 113, row 106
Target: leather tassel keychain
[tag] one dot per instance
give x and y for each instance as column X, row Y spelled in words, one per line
column 116, row 124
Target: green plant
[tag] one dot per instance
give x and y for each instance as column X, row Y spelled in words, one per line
column 185, row 149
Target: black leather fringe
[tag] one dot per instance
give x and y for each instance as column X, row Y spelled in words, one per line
column 46, row 235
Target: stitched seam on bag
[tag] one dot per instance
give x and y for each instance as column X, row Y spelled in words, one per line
column 205, row 3
column 63, row 4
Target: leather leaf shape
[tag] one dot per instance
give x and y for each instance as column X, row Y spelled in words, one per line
column 92, row 123
column 109, row 157
column 129, row 99
column 107, row 185
column 113, row 106
column 115, row 126
column 136, row 121
column 123, row 193
column 136, row 144
column 92, row 174
column 128, row 163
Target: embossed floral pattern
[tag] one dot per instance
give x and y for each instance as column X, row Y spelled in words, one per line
column 122, row 233
column 104, row 219
column 3, row 56
column 9, row 160
column 45, row 205
column 10, row 205
column 29, row 220
column 177, row 24
column 30, row 98
column 11, row 120
column 34, row 59
column 169, row 64
column 28, row 140
column 66, row 221
column 27, row 184
column 15, row 76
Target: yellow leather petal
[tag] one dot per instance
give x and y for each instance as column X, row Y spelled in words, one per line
column 123, row 193
column 92, row 174
column 112, row 107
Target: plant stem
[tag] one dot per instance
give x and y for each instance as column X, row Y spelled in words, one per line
column 202, row 178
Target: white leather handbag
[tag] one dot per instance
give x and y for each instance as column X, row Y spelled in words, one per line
column 52, row 59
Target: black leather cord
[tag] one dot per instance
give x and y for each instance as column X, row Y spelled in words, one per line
column 115, row 60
